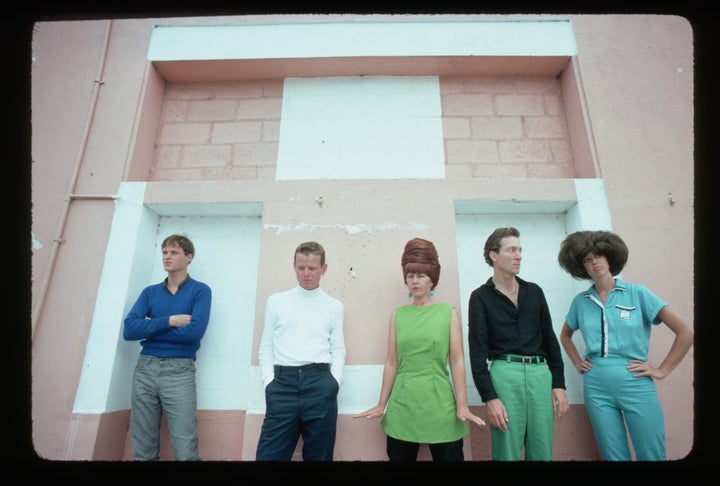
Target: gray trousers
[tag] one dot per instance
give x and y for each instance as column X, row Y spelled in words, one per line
column 164, row 384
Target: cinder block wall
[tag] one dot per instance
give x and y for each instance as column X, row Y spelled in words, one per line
column 493, row 127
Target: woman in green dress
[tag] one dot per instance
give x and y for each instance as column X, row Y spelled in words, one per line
column 421, row 402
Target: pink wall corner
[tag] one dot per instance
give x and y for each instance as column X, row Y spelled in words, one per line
column 148, row 121
column 583, row 150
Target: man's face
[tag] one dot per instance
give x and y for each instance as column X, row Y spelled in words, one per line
column 308, row 270
column 174, row 258
column 508, row 259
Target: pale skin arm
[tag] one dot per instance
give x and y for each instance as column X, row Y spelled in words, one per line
column 180, row 320
column 457, row 370
column 389, row 373
column 560, row 402
column 497, row 414
column 684, row 337
column 566, row 334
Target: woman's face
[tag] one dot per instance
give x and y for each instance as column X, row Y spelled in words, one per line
column 419, row 284
column 596, row 266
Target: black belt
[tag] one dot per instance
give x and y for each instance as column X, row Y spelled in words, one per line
column 307, row 367
column 516, row 358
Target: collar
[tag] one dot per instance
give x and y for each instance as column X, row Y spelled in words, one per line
column 187, row 279
column 308, row 293
column 520, row 282
column 620, row 286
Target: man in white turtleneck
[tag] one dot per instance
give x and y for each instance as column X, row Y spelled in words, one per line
column 301, row 358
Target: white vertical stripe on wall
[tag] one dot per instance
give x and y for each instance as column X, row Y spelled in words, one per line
column 227, row 254
column 368, row 127
column 592, row 211
column 105, row 379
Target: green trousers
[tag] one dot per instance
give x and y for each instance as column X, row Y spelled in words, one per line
column 526, row 392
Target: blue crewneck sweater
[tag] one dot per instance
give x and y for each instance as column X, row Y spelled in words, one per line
column 149, row 319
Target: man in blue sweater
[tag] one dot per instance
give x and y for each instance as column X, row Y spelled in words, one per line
column 169, row 319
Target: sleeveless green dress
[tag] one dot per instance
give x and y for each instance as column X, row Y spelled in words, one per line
column 421, row 407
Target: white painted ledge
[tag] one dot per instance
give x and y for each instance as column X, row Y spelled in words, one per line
column 363, row 38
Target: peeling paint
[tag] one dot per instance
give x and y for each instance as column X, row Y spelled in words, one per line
column 36, row 245
column 349, row 228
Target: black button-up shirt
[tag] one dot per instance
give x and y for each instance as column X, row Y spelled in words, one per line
column 497, row 327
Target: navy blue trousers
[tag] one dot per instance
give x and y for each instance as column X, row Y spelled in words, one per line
column 300, row 401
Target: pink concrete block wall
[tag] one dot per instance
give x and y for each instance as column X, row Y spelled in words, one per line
column 494, row 126
column 226, row 130
column 505, row 126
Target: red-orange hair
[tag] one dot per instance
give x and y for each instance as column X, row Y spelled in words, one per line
column 421, row 256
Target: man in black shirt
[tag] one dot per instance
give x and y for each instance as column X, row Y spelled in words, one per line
column 510, row 324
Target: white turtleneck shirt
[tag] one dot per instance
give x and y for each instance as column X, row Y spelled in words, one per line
column 302, row 327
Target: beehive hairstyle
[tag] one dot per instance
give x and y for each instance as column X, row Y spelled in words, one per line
column 421, row 256
column 603, row 243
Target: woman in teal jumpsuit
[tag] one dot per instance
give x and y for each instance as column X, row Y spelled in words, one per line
column 615, row 319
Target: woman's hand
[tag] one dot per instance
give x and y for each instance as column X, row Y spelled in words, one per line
column 642, row 368
column 465, row 414
column 584, row 366
column 376, row 411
